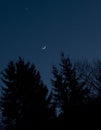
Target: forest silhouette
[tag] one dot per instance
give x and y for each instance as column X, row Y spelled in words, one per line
column 74, row 100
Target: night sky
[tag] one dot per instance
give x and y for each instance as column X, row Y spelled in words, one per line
column 71, row 26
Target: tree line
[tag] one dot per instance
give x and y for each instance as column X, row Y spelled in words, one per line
column 75, row 98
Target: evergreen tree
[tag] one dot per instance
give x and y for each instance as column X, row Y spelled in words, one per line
column 69, row 93
column 25, row 102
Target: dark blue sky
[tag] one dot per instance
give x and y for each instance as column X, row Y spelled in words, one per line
column 27, row 25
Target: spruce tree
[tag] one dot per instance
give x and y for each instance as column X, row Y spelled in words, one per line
column 70, row 93
column 25, row 102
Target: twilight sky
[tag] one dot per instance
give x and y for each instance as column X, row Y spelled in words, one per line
column 73, row 26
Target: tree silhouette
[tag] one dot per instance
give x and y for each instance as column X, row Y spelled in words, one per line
column 25, row 101
column 95, row 81
column 96, row 77
column 70, row 93
column 75, row 98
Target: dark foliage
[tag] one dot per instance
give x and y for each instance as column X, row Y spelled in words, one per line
column 70, row 92
column 75, row 100
column 25, row 102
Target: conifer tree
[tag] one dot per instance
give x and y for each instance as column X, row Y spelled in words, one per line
column 25, row 101
column 69, row 93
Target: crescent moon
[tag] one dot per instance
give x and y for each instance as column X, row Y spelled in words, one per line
column 43, row 48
